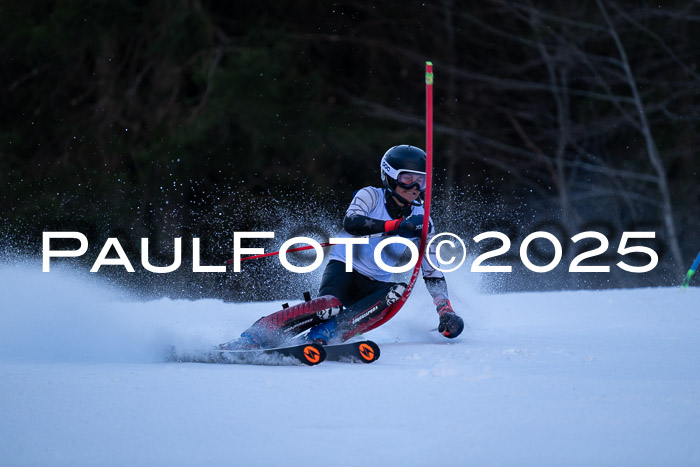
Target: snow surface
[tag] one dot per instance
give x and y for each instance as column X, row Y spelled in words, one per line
column 559, row 378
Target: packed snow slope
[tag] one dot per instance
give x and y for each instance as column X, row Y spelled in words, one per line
column 566, row 378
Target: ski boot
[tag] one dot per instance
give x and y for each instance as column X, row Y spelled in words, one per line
column 247, row 341
column 322, row 333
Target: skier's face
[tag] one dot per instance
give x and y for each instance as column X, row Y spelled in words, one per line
column 410, row 194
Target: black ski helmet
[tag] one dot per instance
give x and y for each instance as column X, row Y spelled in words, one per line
column 403, row 158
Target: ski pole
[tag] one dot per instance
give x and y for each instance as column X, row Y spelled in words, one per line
column 691, row 271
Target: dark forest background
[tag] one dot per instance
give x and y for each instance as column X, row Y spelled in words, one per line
column 166, row 119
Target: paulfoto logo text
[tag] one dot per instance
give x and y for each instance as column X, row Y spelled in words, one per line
column 436, row 256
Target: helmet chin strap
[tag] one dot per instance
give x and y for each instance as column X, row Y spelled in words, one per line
column 416, row 202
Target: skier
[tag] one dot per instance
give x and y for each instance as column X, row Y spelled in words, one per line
column 350, row 303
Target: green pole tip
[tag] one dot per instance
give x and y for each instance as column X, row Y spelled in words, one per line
column 429, row 63
column 686, row 282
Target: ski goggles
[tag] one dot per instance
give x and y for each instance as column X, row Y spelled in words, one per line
column 408, row 179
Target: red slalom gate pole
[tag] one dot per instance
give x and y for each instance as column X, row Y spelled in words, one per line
column 396, row 306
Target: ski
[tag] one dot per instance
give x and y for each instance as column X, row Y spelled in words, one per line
column 353, row 352
column 306, row 354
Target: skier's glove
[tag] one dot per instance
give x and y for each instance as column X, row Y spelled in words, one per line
column 450, row 325
column 410, row 227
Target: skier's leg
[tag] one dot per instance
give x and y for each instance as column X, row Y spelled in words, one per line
column 339, row 283
column 343, row 285
column 273, row 330
column 365, row 303
column 363, row 314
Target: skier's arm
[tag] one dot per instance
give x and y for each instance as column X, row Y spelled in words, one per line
column 434, row 278
column 437, row 287
column 450, row 325
column 362, row 225
column 357, row 221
